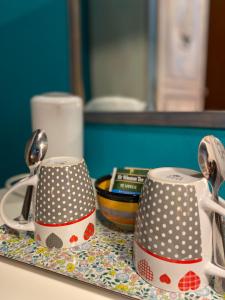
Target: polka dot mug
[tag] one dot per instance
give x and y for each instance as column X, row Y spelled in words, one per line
column 173, row 234
column 63, row 203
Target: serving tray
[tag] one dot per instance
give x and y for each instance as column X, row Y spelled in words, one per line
column 104, row 261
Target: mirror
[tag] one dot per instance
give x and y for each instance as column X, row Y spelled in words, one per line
column 149, row 55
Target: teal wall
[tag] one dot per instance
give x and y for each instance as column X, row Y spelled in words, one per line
column 34, row 58
column 109, row 146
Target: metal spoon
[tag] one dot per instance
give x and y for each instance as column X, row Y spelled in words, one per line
column 211, row 158
column 35, row 151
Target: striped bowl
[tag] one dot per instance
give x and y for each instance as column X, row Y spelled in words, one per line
column 119, row 209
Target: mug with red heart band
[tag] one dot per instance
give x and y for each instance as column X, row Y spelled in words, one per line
column 173, row 232
column 63, row 203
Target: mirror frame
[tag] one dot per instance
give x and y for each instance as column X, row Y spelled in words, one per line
column 204, row 119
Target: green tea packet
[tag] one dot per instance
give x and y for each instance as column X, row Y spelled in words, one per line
column 128, row 180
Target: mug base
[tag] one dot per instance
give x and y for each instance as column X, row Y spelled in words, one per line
column 66, row 235
column 169, row 276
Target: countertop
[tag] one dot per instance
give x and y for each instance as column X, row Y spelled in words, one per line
column 22, row 282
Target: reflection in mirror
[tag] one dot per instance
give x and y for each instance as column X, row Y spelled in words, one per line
column 151, row 55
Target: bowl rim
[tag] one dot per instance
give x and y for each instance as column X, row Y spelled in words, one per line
column 112, row 195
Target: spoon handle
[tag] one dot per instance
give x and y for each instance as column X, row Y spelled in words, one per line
column 218, row 243
column 26, row 204
column 218, row 248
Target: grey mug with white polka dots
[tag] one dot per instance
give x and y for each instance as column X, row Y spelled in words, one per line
column 63, row 205
column 173, row 233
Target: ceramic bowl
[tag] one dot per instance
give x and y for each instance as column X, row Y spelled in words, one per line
column 119, row 209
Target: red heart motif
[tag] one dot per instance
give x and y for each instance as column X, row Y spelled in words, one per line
column 145, row 270
column 73, row 239
column 89, row 231
column 165, row 279
column 38, row 238
column 190, row 281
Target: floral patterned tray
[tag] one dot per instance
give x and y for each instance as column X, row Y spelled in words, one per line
column 104, row 261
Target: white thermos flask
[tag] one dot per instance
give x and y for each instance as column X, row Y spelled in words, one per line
column 61, row 116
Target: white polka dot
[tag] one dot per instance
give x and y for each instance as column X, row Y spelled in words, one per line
column 176, row 246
